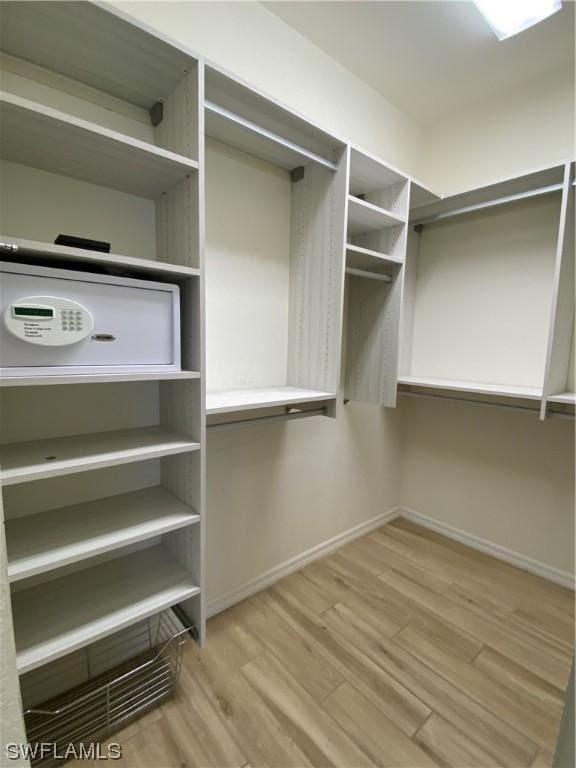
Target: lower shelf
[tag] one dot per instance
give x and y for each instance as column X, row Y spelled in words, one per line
column 60, row 616
column 250, row 399
column 38, row 459
column 96, row 378
column 480, row 388
column 568, row 398
column 48, row 540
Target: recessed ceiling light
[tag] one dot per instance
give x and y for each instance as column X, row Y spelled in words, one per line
column 508, row 17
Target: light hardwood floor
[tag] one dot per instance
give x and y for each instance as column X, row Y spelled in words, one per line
column 404, row 648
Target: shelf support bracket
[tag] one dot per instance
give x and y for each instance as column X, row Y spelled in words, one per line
column 156, row 113
column 297, row 174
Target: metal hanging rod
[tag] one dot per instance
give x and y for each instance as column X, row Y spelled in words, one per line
column 265, row 419
column 489, row 204
column 368, row 275
column 491, row 404
column 257, row 130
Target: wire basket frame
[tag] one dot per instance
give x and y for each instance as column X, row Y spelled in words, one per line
column 107, row 702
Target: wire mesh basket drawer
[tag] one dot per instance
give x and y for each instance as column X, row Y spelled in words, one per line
column 109, row 700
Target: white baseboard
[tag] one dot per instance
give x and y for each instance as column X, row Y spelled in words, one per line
column 249, row 588
column 547, row 572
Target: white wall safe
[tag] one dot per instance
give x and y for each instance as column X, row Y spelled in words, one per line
column 56, row 321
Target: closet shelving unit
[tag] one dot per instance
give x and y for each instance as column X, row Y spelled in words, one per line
column 240, row 117
column 104, row 115
column 377, row 213
column 500, row 258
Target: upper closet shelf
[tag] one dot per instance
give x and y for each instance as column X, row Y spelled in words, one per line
column 239, row 115
column 541, row 182
column 62, row 256
column 60, row 616
column 39, row 459
column 96, row 44
column 368, row 173
column 480, row 388
column 42, row 137
column 367, row 217
column 232, row 129
column 420, row 194
column 365, row 258
column 567, row 398
column 230, row 401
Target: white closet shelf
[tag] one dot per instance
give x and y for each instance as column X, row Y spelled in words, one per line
column 229, row 128
column 249, row 399
column 368, row 173
column 543, row 181
column 49, row 254
column 96, row 378
column 39, row 459
column 481, row 388
column 98, row 45
column 365, row 258
column 60, row 616
column 420, row 194
column 367, row 217
column 52, row 539
column 568, row 398
column 42, row 137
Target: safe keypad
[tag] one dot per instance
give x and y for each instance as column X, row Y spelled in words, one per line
column 71, row 319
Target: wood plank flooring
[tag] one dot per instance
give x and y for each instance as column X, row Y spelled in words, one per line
column 403, row 648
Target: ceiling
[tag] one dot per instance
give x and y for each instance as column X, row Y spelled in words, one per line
column 431, row 58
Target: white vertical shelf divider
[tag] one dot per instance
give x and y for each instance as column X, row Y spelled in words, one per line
column 561, row 329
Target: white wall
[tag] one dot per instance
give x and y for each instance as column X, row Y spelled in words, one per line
column 522, row 129
column 276, row 491
column 501, row 475
column 247, row 270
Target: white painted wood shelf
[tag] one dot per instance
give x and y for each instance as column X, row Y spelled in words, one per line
column 49, row 254
column 96, row 378
column 567, row 398
column 230, row 401
column 98, row 45
column 420, row 194
column 49, row 540
column 480, row 388
column 238, row 114
column 368, row 173
column 60, row 616
column 543, row 181
column 35, row 460
column 373, row 261
column 367, row 217
column 42, row 137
